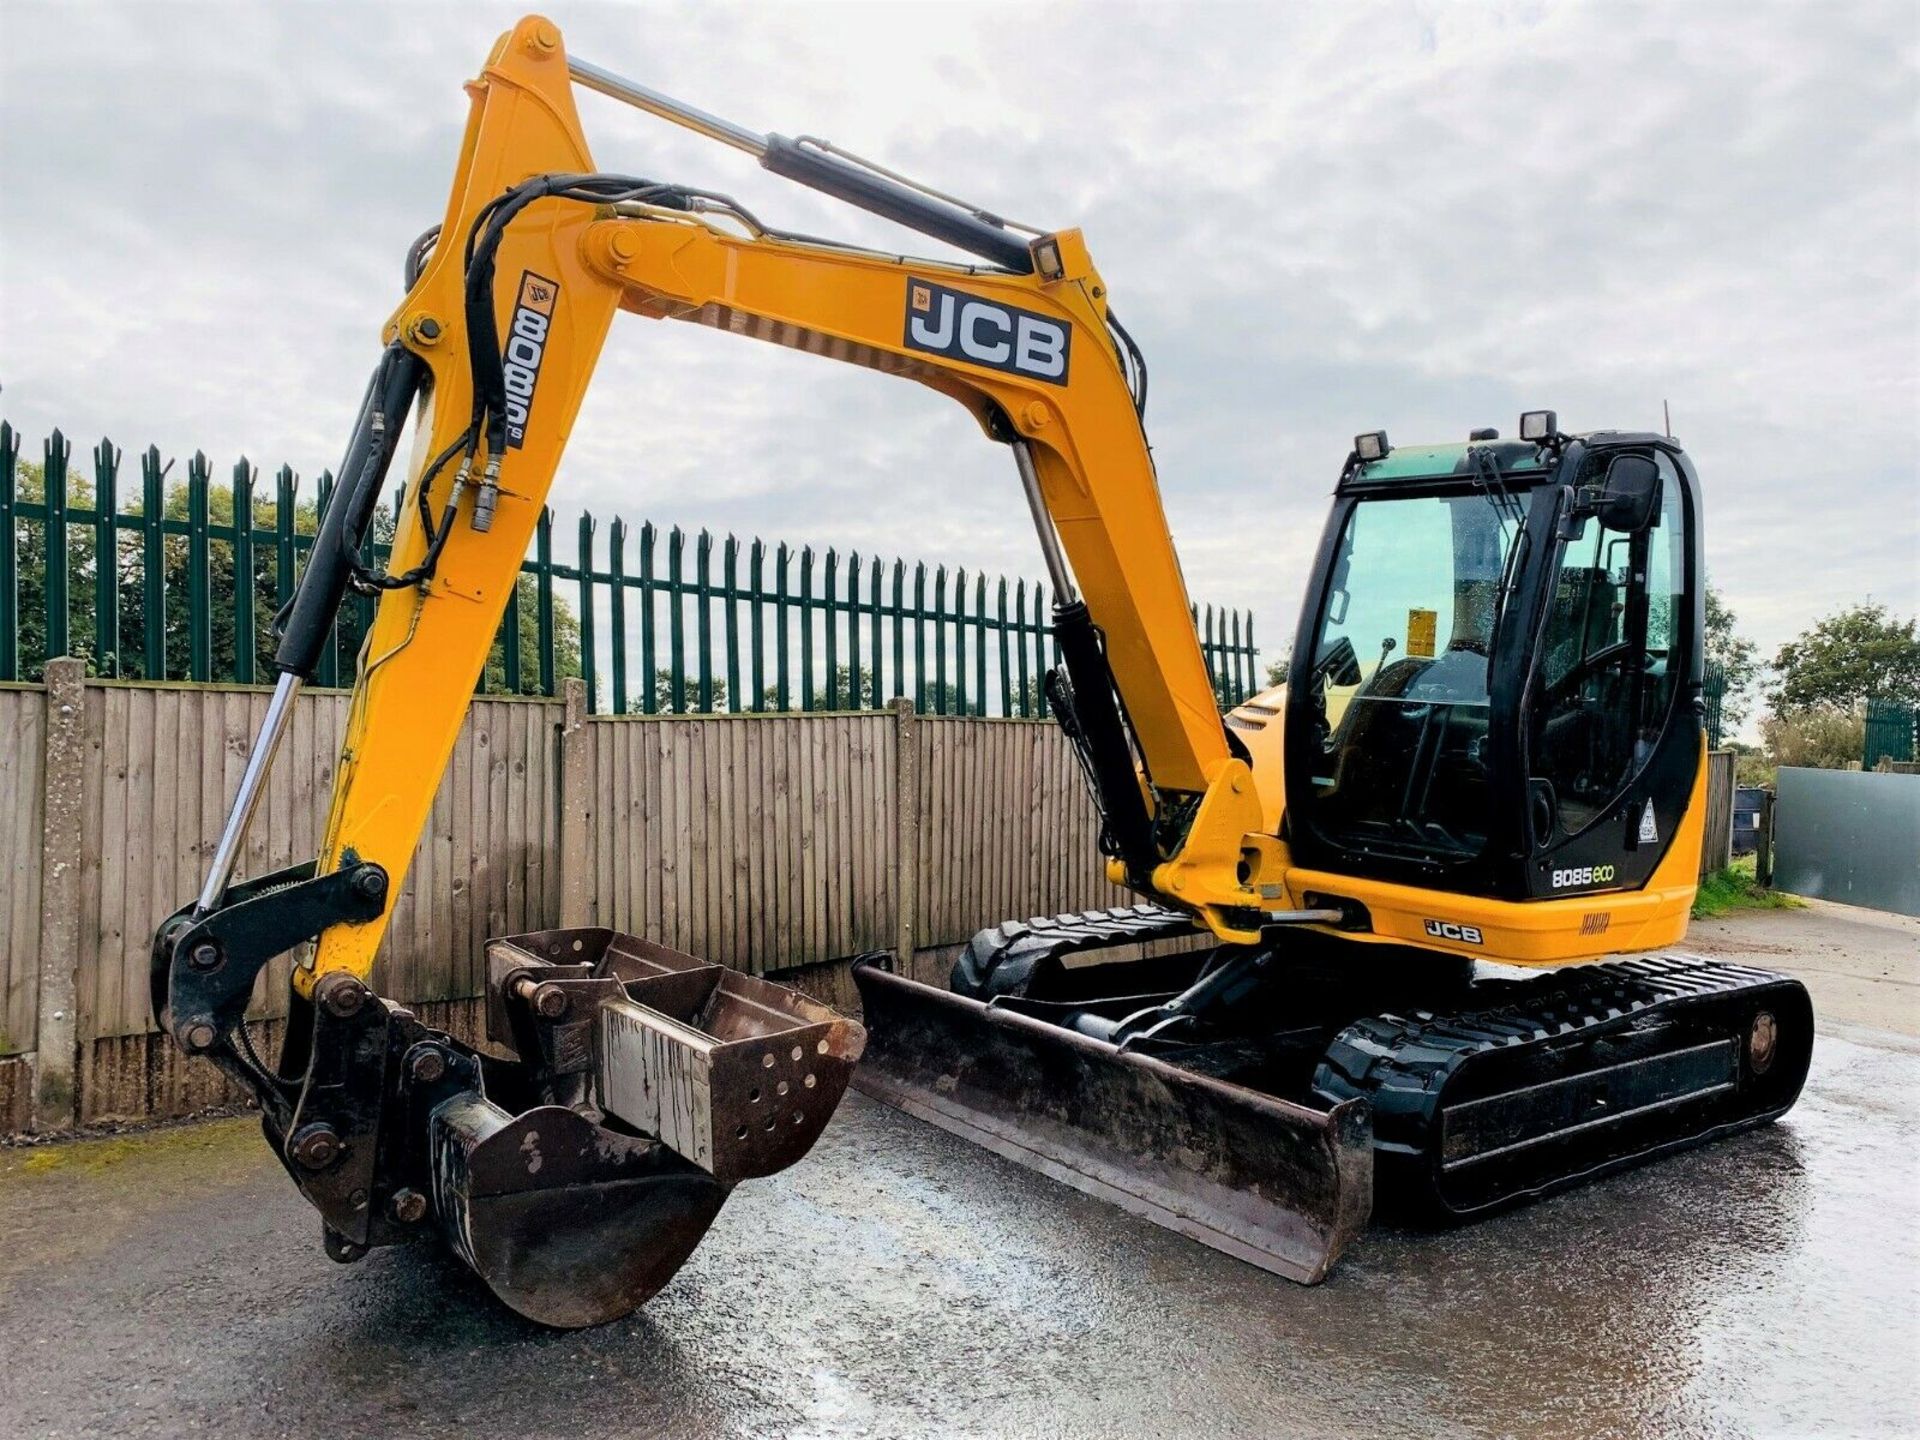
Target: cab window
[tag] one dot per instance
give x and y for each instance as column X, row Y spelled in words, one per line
column 1609, row 658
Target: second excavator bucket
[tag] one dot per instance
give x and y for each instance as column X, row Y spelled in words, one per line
column 663, row 1081
column 1283, row 1186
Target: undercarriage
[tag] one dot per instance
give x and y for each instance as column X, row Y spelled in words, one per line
column 1266, row 1099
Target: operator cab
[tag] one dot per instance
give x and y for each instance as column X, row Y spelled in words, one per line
column 1497, row 681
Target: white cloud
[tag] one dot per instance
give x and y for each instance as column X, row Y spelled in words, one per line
column 1316, row 219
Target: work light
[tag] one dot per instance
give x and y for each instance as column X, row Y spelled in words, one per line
column 1539, row 425
column 1372, row 445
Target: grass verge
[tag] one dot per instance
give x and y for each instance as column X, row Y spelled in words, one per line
column 1734, row 888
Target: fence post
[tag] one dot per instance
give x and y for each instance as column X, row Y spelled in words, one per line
column 9, row 559
column 106, row 559
column 55, row 1095
column 58, row 562
column 1763, row 843
column 577, row 802
column 906, row 833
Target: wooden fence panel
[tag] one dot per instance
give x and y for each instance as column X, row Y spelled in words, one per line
column 23, row 744
column 1007, row 828
column 761, row 842
column 758, row 844
column 165, row 762
column 1716, row 841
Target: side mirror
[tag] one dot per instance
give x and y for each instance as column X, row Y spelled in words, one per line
column 1337, row 665
column 1630, row 496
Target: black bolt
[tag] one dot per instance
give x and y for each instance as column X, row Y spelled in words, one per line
column 315, row 1147
column 550, row 1002
column 342, row 996
column 409, row 1207
column 204, row 957
column 430, row 328
column 370, row 884
column 427, row 1066
column 341, row 1249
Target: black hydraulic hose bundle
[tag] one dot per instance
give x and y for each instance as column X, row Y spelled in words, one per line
column 303, row 625
column 1091, row 716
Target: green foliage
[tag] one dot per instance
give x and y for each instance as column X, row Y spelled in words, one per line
column 1751, row 765
column 663, row 694
column 127, row 575
column 938, row 695
column 82, row 575
column 566, row 645
column 1821, row 738
column 1734, row 888
column 1854, row 655
column 1277, row 669
column 1736, row 655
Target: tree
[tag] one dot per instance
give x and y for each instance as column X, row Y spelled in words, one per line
column 31, row 560
column 1737, row 657
column 663, row 694
column 1821, row 737
column 1858, row 654
column 129, row 581
column 1277, row 670
column 566, row 644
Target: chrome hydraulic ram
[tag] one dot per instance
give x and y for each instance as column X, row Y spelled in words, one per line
column 811, row 163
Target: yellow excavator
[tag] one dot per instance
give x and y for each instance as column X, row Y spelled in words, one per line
column 1490, row 751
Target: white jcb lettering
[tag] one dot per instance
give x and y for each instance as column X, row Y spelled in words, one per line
column 930, row 336
column 1042, row 348
column 973, row 315
column 985, row 332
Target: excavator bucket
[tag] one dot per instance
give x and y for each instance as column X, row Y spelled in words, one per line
column 1280, row 1185
column 667, row 1081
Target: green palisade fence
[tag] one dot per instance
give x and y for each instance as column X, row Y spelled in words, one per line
column 656, row 623
column 1893, row 732
column 1714, row 692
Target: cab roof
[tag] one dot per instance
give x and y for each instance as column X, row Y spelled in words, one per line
column 1436, row 462
column 1514, row 457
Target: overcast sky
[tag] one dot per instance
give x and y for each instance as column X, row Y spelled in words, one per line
column 1316, row 219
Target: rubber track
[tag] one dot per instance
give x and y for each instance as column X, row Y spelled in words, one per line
column 1003, row 959
column 1403, row 1065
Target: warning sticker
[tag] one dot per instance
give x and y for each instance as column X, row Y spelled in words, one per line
column 1649, row 832
column 1422, row 628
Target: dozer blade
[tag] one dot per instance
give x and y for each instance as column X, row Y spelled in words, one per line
column 1280, row 1185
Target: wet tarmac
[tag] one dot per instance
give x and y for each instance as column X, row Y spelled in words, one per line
column 901, row 1283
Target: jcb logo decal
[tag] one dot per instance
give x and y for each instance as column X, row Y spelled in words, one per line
column 1447, row 930
column 1583, row 875
column 526, row 349
column 984, row 332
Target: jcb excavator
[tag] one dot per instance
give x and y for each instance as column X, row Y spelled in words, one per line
column 1490, row 750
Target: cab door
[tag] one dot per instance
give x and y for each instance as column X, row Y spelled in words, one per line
column 1612, row 724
